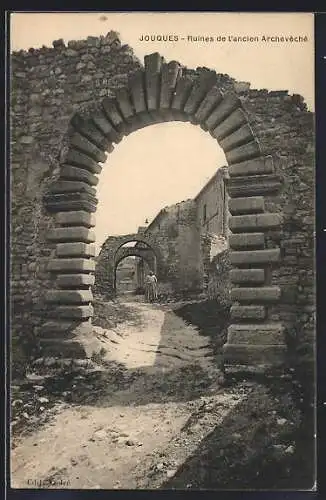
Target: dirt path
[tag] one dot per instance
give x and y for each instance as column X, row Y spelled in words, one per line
column 138, row 430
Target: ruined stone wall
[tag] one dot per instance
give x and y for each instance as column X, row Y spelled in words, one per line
column 48, row 85
column 175, row 232
column 113, row 250
column 212, row 196
column 219, row 284
column 285, row 129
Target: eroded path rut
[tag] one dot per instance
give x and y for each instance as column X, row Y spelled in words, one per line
column 138, row 430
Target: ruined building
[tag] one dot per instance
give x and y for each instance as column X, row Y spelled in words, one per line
column 190, row 234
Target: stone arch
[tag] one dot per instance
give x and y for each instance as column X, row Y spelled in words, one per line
column 157, row 93
column 106, row 261
column 147, row 255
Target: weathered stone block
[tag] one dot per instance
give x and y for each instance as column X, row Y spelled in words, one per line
column 69, row 296
column 105, row 126
column 242, row 223
column 75, row 280
column 182, row 92
column 78, row 174
column 65, row 186
column 261, row 165
column 169, row 76
column 228, row 104
column 248, row 205
column 211, row 100
column 241, row 136
column 73, row 312
column 247, row 240
column 264, row 333
column 81, row 143
column 74, row 233
column 153, row 64
column 62, row 348
column 256, row 294
column 267, row 256
column 58, row 329
column 60, row 202
column 200, row 88
column 71, row 265
column 81, row 160
column 254, row 185
column 270, row 355
column 78, row 218
column 245, row 152
column 112, row 112
column 124, row 103
column 75, row 250
column 256, row 276
column 66, row 204
column 231, row 123
column 245, row 313
column 137, row 90
column 88, row 129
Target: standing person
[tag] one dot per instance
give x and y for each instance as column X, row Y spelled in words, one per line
column 151, row 287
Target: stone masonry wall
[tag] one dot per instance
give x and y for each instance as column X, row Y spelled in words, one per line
column 49, row 85
column 212, row 195
column 175, row 232
column 285, row 129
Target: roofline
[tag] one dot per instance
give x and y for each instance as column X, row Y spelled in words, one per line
column 209, row 182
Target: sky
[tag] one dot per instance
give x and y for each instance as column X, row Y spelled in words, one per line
column 166, row 163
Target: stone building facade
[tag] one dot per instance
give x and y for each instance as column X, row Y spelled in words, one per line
column 71, row 104
column 190, row 234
